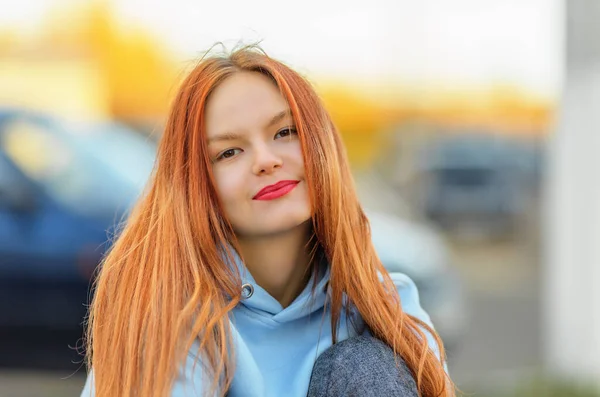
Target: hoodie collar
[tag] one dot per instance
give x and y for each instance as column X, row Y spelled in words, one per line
column 259, row 300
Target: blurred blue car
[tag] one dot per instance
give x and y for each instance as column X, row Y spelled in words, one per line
column 63, row 188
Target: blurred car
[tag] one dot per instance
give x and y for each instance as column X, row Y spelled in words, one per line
column 479, row 183
column 63, row 188
column 421, row 253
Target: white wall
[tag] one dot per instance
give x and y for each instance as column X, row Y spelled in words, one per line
column 572, row 281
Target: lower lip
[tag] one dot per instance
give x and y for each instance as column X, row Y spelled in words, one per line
column 275, row 194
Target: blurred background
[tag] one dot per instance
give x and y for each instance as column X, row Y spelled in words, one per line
column 469, row 125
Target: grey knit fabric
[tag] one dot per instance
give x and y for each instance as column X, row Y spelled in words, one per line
column 361, row 367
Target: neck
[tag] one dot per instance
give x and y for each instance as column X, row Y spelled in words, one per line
column 279, row 263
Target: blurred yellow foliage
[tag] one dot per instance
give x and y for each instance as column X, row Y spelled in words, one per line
column 361, row 121
column 7, row 40
column 366, row 118
column 139, row 72
column 499, row 108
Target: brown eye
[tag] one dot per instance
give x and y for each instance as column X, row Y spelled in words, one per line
column 227, row 154
column 286, row 132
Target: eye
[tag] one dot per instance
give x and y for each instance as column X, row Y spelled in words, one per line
column 286, row 132
column 226, row 154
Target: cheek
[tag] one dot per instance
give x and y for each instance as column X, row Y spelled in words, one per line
column 297, row 158
column 230, row 185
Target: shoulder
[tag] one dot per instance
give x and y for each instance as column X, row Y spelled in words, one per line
column 411, row 305
column 409, row 296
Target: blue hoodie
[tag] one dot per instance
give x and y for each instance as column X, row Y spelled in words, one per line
column 276, row 347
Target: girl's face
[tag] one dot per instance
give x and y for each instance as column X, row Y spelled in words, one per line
column 256, row 156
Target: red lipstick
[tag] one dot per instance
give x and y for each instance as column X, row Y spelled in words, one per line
column 276, row 190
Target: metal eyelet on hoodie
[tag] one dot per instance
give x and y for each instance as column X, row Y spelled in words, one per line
column 247, row 291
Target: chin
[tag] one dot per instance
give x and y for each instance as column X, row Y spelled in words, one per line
column 285, row 226
column 278, row 226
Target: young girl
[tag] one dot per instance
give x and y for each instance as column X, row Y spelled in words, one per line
column 250, row 256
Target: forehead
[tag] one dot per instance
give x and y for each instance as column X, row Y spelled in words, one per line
column 243, row 101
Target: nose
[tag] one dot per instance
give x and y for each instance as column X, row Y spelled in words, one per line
column 266, row 161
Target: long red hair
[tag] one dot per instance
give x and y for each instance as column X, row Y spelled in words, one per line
column 165, row 283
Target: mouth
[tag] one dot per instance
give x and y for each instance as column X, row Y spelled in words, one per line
column 276, row 190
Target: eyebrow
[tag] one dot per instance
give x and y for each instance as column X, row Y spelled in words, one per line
column 231, row 136
column 278, row 117
column 226, row 136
